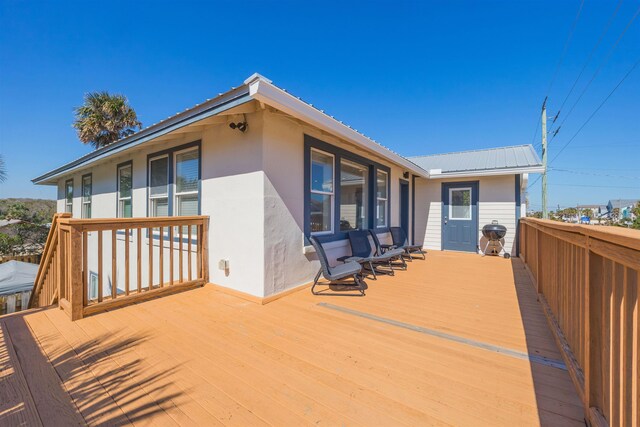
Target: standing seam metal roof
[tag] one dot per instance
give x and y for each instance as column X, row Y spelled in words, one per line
column 481, row 160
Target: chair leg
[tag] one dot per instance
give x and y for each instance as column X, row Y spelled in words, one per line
column 358, row 280
column 315, row 282
column 392, row 273
column 373, row 271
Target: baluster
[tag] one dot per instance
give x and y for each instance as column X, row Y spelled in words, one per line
column 99, row 265
column 126, row 261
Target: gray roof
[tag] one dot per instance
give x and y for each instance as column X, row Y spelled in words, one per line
column 623, row 203
column 17, row 276
column 519, row 156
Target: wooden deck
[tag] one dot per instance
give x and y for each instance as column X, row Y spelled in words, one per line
column 456, row 340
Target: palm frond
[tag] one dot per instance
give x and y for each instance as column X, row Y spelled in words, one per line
column 104, row 119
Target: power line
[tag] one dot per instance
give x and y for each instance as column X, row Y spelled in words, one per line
column 595, row 174
column 597, row 109
column 593, row 186
column 595, row 74
column 584, row 66
column 565, row 48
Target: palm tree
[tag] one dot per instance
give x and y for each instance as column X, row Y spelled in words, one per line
column 3, row 170
column 105, row 118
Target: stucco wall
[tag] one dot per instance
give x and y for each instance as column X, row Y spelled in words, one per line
column 497, row 199
column 232, row 194
column 288, row 262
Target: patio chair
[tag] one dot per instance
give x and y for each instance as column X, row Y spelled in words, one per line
column 400, row 241
column 362, row 252
column 335, row 274
column 387, row 250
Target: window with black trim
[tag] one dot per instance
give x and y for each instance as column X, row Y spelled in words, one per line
column 68, row 196
column 159, row 186
column 125, row 188
column 382, row 198
column 87, row 188
column 344, row 191
column 322, row 192
column 187, row 187
column 354, row 189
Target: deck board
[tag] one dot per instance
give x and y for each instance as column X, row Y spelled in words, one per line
column 205, row 357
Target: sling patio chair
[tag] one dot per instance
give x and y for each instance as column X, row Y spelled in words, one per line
column 395, row 253
column 362, row 252
column 335, row 275
column 400, row 240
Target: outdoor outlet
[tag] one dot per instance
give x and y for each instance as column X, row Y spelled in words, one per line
column 223, row 264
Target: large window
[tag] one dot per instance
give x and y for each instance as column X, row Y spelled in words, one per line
column 159, row 186
column 344, row 191
column 174, row 182
column 382, row 198
column 354, row 186
column 68, row 196
column 187, row 167
column 86, row 196
column 125, row 185
column 322, row 192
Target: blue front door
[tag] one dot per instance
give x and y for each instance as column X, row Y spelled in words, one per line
column 460, row 216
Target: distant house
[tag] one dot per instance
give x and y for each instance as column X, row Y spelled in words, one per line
column 596, row 211
column 625, row 207
column 270, row 170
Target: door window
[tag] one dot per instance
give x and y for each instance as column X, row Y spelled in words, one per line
column 460, row 203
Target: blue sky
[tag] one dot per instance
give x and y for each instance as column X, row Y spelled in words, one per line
column 419, row 77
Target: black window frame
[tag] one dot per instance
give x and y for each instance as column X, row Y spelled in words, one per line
column 310, row 143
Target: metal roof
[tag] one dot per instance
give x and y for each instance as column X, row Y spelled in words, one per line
column 491, row 159
column 622, row 203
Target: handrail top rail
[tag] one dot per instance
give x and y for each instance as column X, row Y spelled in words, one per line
column 96, row 224
column 627, row 237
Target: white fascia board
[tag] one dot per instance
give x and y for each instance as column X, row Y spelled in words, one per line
column 489, row 172
column 263, row 91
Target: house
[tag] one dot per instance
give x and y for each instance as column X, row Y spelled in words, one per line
column 269, row 170
column 624, row 206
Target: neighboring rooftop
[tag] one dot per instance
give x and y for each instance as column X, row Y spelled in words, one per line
column 520, row 157
column 622, row 203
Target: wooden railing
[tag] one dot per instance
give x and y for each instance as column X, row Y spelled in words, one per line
column 45, row 287
column 587, row 279
column 102, row 264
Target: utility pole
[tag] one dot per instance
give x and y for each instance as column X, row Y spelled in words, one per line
column 545, row 213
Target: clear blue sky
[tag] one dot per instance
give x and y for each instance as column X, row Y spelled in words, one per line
column 419, row 77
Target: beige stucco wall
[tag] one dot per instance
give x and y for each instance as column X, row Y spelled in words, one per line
column 287, row 262
column 232, row 195
column 496, row 202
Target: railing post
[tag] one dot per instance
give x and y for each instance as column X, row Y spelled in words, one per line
column 587, row 331
column 75, row 273
column 205, row 249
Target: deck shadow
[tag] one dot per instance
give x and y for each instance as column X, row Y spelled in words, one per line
column 80, row 384
column 531, row 314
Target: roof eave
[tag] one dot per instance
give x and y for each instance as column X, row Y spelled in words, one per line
column 488, row 172
column 210, row 108
column 262, row 90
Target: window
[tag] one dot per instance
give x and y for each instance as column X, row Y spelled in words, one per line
column 68, row 196
column 93, row 286
column 159, row 186
column 382, row 196
column 187, row 173
column 125, row 182
column 322, row 192
column 460, row 203
column 354, row 184
column 86, row 196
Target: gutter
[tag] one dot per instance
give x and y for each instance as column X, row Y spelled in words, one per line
column 438, row 174
column 262, row 90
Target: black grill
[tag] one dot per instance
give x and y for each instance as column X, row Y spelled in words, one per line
column 494, row 233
